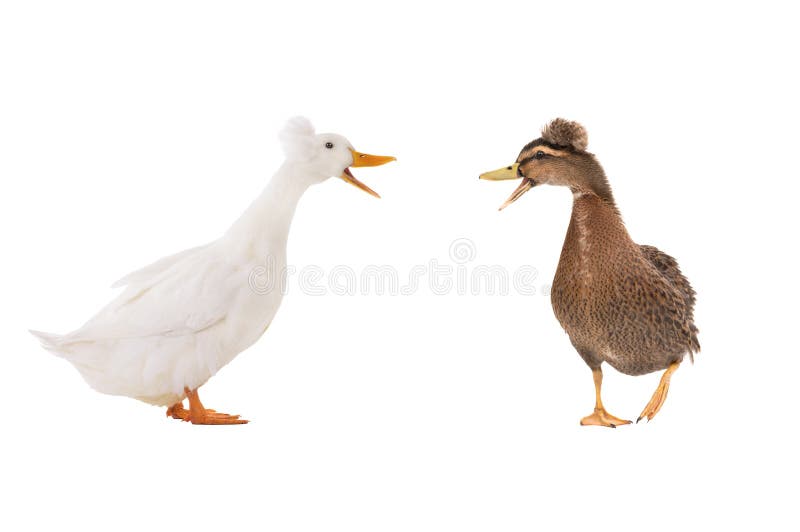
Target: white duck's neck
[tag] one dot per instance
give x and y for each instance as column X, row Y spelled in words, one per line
column 264, row 227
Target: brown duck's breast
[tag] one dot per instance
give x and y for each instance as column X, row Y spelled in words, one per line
column 593, row 258
column 608, row 296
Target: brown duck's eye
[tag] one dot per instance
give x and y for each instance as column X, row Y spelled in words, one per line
column 539, row 155
column 329, row 145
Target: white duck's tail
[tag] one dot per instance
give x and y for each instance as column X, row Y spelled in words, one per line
column 62, row 345
column 50, row 341
column 82, row 354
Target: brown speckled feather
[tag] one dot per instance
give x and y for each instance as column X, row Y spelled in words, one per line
column 621, row 303
column 668, row 267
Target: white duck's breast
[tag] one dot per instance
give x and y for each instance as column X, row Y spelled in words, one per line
column 252, row 311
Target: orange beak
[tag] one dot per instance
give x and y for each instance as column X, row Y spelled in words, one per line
column 363, row 159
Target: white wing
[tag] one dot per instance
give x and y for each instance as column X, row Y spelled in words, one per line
column 152, row 270
column 192, row 294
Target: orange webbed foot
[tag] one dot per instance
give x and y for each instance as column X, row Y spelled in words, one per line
column 210, row 417
column 602, row 418
column 177, row 411
column 197, row 414
column 660, row 395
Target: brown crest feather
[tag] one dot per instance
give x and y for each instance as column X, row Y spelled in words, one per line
column 562, row 132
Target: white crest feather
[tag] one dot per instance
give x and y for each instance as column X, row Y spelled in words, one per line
column 297, row 138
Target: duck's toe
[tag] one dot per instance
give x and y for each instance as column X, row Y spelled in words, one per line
column 215, row 418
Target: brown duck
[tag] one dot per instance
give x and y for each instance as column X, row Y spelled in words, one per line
column 620, row 302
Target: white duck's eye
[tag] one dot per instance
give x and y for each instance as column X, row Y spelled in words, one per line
column 329, row 145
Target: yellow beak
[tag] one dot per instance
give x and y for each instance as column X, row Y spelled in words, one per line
column 523, row 187
column 509, row 172
column 501, row 174
column 364, row 159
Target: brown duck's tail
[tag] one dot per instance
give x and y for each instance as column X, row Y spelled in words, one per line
column 694, row 343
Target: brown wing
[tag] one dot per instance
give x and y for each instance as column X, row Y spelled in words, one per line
column 668, row 268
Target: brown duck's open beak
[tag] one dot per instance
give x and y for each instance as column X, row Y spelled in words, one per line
column 501, row 174
column 364, row 159
column 509, row 172
column 523, row 187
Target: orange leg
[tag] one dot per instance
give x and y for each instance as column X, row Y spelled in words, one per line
column 600, row 416
column 660, row 395
column 200, row 415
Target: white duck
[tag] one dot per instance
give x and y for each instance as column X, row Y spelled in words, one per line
column 185, row 316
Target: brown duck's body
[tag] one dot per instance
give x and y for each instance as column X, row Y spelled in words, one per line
column 620, row 302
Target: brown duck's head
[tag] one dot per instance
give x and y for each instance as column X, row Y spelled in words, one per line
column 558, row 157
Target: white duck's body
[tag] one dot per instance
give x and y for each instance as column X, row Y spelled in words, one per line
column 184, row 317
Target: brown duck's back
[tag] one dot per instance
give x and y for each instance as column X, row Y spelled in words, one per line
column 619, row 302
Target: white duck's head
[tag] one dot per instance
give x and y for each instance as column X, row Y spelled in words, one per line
column 325, row 155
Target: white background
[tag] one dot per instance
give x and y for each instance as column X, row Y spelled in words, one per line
column 130, row 131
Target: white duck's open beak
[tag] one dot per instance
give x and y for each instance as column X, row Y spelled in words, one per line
column 364, row 159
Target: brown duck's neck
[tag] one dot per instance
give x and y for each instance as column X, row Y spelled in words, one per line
column 595, row 233
column 596, row 184
column 595, row 223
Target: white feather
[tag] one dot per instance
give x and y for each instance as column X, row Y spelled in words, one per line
column 155, row 268
column 297, row 139
column 182, row 318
